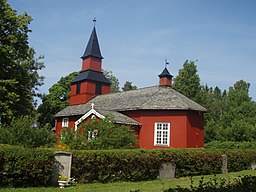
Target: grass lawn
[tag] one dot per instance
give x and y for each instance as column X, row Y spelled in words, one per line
column 154, row 186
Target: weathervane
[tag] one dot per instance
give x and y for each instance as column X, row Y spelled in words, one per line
column 166, row 63
column 94, row 20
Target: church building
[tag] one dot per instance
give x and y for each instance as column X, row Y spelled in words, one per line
column 161, row 116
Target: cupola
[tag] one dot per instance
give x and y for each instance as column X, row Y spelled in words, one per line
column 165, row 78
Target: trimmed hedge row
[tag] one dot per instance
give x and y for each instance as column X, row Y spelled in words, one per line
column 25, row 167
column 231, row 145
column 139, row 165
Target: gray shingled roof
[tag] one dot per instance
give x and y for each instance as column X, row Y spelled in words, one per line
column 151, row 98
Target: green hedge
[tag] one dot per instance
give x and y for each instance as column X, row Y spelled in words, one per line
column 25, row 167
column 138, row 165
column 231, row 145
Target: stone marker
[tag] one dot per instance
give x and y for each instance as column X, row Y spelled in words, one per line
column 253, row 165
column 167, row 171
column 224, row 167
column 62, row 166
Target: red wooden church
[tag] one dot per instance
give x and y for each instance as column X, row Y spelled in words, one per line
column 161, row 116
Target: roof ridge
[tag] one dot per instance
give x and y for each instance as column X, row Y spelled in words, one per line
column 150, row 96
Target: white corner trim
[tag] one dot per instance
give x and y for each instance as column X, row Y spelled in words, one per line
column 92, row 111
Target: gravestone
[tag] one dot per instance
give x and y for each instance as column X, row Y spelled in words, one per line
column 167, row 171
column 62, row 166
column 253, row 165
column 224, row 167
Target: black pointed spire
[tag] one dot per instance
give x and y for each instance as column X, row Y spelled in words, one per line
column 165, row 73
column 92, row 48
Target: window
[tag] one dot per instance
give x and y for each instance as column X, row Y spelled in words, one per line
column 162, row 134
column 78, row 88
column 98, row 89
column 92, row 135
column 65, row 122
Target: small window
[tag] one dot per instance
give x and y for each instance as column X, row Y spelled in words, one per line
column 78, row 88
column 92, row 135
column 98, row 89
column 65, row 122
column 162, row 134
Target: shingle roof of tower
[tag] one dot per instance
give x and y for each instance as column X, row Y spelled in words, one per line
column 165, row 73
column 151, row 98
column 90, row 75
column 92, row 48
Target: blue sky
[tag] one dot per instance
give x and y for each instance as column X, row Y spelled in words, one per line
column 136, row 36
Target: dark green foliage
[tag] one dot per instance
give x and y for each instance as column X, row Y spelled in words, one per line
column 1, row 167
column 231, row 115
column 198, row 163
column 244, row 183
column 21, row 132
column 23, row 167
column 139, row 165
column 114, row 87
column 115, row 165
column 231, row 145
column 56, row 100
column 19, row 77
column 106, row 135
column 187, row 81
column 128, row 86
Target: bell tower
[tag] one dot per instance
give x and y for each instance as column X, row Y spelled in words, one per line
column 90, row 82
column 165, row 78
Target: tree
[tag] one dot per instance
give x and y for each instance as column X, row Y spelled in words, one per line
column 231, row 115
column 187, row 81
column 114, row 81
column 56, row 100
column 19, row 78
column 128, row 86
column 22, row 131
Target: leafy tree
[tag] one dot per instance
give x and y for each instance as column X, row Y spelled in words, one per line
column 100, row 134
column 128, row 86
column 187, row 81
column 19, row 78
column 231, row 115
column 56, row 100
column 24, row 132
column 114, row 81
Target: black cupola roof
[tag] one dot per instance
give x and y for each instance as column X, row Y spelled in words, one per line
column 92, row 48
column 165, row 73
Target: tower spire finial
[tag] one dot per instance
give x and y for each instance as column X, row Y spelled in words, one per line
column 94, row 21
column 166, row 63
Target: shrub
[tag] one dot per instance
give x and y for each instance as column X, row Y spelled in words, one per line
column 246, row 183
column 114, row 165
column 21, row 132
column 138, row 165
column 231, row 145
column 100, row 134
column 23, row 167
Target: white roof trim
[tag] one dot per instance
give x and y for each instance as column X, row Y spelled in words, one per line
column 92, row 111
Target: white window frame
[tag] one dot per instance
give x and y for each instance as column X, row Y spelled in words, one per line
column 65, row 122
column 162, row 133
column 92, row 135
